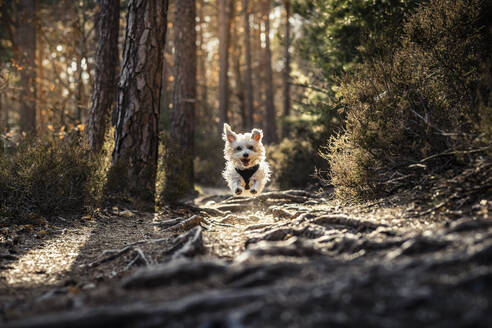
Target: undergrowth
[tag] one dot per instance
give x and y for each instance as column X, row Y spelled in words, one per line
column 47, row 178
column 423, row 109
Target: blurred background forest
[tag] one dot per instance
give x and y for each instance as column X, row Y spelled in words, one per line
column 368, row 95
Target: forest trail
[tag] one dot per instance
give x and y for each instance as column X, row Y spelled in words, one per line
column 284, row 259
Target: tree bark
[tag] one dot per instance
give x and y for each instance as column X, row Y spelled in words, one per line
column 202, row 57
column 224, row 7
column 258, row 69
column 286, row 71
column 249, row 71
column 238, row 82
column 271, row 125
column 105, row 81
column 180, row 148
column 136, row 135
column 26, row 57
column 4, row 116
column 80, row 44
column 42, row 114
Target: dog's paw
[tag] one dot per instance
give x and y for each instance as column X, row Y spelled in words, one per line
column 253, row 191
column 238, row 191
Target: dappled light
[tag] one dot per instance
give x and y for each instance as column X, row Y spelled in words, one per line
column 48, row 264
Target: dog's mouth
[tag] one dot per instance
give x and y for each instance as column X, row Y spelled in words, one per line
column 245, row 161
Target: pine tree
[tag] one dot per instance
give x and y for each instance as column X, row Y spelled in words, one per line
column 180, row 147
column 136, row 136
column 224, row 7
column 105, row 82
column 26, row 57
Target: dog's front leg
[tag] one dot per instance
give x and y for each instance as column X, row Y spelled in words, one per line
column 237, row 188
column 254, row 186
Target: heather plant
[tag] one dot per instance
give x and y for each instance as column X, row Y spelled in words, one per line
column 48, row 177
column 425, row 106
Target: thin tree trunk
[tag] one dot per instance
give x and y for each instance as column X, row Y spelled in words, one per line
column 224, row 7
column 105, row 81
column 249, row 72
column 136, row 135
column 4, row 116
column 271, row 125
column 258, row 69
column 286, row 71
column 168, row 74
column 26, row 42
column 165, row 97
column 239, row 86
column 180, row 148
column 40, row 90
column 80, row 45
column 203, row 105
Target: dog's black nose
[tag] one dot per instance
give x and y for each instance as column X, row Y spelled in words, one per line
column 245, row 155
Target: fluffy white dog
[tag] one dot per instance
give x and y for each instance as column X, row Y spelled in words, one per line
column 246, row 170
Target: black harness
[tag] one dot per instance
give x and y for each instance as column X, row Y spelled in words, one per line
column 246, row 174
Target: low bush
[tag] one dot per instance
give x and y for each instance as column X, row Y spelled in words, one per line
column 292, row 163
column 427, row 103
column 47, row 178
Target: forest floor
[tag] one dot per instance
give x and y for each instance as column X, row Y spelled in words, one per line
column 291, row 258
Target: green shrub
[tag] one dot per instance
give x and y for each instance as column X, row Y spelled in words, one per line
column 429, row 97
column 46, row 178
column 209, row 161
column 293, row 163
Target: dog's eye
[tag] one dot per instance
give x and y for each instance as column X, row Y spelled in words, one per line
column 238, row 148
column 250, row 147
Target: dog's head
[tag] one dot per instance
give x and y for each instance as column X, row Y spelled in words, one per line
column 243, row 150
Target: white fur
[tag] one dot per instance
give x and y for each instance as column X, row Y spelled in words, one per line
column 234, row 157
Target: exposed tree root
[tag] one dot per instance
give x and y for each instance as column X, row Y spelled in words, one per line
column 187, row 244
column 187, row 224
column 178, row 271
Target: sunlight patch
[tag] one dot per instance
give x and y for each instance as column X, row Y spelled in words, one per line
column 48, row 264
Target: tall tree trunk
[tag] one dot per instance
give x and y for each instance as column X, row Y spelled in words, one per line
column 80, row 44
column 180, row 148
column 136, row 135
column 4, row 116
column 224, row 7
column 42, row 114
column 202, row 57
column 249, row 72
column 271, row 125
column 105, row 81
column 165, row 97
column 26, row 43
column 238, row 82
column 258, row 67
column 286, row 71
column 168, row 74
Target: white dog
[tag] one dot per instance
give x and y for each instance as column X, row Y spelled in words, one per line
column 246, row 170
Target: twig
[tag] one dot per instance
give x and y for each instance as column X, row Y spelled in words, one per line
column 455, row 152
column 140, row 255
column 118, row 252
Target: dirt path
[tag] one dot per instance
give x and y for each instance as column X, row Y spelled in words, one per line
column 284, row 259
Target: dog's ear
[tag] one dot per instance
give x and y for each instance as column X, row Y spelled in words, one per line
column 228, row 135
column 257, row 134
